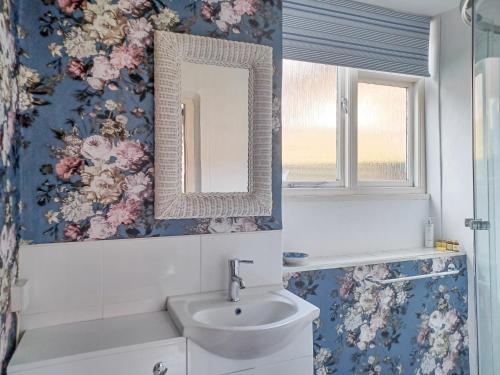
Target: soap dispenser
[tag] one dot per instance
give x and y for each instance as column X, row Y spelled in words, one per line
column 429, row 233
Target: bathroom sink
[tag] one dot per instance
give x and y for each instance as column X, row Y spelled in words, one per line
column 261, row 323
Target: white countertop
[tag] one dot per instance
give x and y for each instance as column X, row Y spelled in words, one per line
column 351, row 260
column 85, row 339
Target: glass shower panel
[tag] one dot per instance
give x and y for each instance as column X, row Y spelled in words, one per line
column 487, row 179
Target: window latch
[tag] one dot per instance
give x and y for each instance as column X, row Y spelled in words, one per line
column 344, row 105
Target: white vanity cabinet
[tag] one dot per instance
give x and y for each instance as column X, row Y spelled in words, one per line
column 296, row 358
column 130, row 345
column 133, row 345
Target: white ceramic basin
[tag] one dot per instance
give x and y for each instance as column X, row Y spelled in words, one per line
column 264, row 321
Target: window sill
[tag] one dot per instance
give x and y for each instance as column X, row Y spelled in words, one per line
column 336, row 195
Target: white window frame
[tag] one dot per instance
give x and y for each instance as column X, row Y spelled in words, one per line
column 340, row 183
column 347, row 155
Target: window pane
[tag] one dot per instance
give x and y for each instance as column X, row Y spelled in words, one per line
column 382, row 132
column 309, row 122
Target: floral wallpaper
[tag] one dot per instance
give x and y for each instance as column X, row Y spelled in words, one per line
column 365, row 327
column 86, row 108
column 9, row 180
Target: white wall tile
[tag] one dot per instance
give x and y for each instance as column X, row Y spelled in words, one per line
column 94, row 279
column 139, row 274
column 264, row 248
column 64, row 279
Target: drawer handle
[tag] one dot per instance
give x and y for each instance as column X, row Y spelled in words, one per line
column 160, row 368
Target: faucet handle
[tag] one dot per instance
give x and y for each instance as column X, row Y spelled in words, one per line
column 236, row 262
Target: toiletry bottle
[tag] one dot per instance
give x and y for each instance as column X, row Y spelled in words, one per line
column 429, row 233
column 440, row 245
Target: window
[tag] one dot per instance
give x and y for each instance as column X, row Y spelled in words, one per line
column 351, row 131
column 310, row 134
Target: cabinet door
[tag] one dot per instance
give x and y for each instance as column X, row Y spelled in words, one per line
column 298, row 366
column 136, row 362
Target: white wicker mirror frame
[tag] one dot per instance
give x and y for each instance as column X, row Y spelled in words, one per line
column 170, row 202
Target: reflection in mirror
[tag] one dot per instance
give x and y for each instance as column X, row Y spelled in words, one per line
column 215, row 110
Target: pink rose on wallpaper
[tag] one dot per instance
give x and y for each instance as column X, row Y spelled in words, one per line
column 220, row 225
column 244, row 224
column 96, row 83
column 451, row 320
column 139, row 32
column 101, row 72
column 103, row 69
column 138, row 186
column 207, row 11
column 126, row 56
column 72, row 231
column 249, row 7
column 100, row 228
column 124, row 212
column 96, row 148
column 227, row 17
column 456, row 340
column 69, row 6
column 448, row 364
column 422, row 335
column 76, row 69
column 134, row 7
column 346, row 288
column 130, row 155
column 68, row 166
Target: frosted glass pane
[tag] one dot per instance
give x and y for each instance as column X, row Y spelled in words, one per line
column 382, row 133
column 309, row 122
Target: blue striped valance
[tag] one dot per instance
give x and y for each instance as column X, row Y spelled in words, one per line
column 357, row 35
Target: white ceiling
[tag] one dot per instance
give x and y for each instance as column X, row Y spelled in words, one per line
column 423, row 7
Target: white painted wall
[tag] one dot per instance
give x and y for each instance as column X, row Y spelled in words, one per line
column 456, row 143
column 326, row 227
column 432, row 127
column 456, row 127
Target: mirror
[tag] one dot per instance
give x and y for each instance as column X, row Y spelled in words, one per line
column 213, row 127
column 214, row 111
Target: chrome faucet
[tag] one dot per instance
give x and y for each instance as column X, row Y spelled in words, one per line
column 235, row 281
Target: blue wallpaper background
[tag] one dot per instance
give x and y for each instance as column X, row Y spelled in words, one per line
column 86, row 111
column 412, row 328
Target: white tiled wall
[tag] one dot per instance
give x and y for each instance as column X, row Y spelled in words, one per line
column 90, row 280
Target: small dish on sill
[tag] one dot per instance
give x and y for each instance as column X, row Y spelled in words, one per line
column 295, row 258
